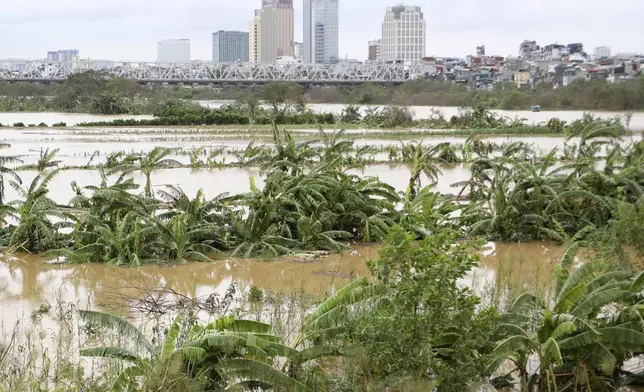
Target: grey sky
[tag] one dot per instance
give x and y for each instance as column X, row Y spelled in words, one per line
column 129, row 29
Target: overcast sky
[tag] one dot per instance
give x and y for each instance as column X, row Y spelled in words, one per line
column 129, row 29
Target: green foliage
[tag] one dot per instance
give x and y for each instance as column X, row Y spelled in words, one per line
column 280, row 95
column 628, row 224
column 582, row 338
column 515, row 100
column 429, row 326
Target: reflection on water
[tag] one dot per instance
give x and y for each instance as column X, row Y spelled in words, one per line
column 26, row 282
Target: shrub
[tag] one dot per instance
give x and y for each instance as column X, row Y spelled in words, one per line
column 59, row 124
column 43, row 125
column 18, row 125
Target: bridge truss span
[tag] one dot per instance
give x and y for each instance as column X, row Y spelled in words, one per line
column 213, row 73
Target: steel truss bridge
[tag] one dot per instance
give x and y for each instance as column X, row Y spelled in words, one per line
column 215, row 73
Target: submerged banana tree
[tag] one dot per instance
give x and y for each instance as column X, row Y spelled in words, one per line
column 147, row 367
column 580, row 338
column 8, row 172
column 146, row 164
column 34, row 230
column 227, row 354
column 181, row 242
column 422, row 159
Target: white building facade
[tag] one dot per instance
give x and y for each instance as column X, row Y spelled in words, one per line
column 255, row 38
column 601, row 52
column 299, row 50
column 403, row 34
column 173, row 51
column 321, row 31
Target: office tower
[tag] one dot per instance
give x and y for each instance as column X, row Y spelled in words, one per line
column 375, row 50
column 173, row 51
column 403, row 34
column 254, row 38
column 276, row 30
column 230, row 47
column 299, row 50
column 321, row 31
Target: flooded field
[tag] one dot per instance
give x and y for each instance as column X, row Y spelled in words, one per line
column 26, row 282
column 637, row 121
column 31, row 287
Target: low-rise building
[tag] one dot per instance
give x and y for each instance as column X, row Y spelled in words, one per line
column 522, row 78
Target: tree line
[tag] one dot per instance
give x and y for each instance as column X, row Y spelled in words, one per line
column 95, row 92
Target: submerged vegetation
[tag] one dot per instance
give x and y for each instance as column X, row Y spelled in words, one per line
column 282, row 111
column 410, row 326
column 310, row 201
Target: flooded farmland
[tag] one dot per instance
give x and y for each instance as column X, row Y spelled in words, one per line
column 29, row 284
column 26, row 281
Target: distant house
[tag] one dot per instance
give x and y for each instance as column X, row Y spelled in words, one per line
column 522, row 78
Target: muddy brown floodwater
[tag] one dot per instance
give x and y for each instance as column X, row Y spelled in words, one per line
column 27, row 282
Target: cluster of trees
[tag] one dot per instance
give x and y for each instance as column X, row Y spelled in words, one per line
column 84, row 92
column 579, row 95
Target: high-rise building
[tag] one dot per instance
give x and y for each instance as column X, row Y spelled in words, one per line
column 276, row 30
column 480, row 51
column 173, row 51
column 299, row 50
column 321, row 31
column 65, row 56
column 375, row 50
column 254, row 38
column 403, row 34
column 230, row 47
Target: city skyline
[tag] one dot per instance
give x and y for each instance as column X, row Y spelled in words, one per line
column 129, row 30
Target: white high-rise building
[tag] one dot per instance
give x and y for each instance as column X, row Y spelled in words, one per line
column 173, row 51
column 321, row 31
column 403, row 34
column 255, row 38
column 299, row 50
